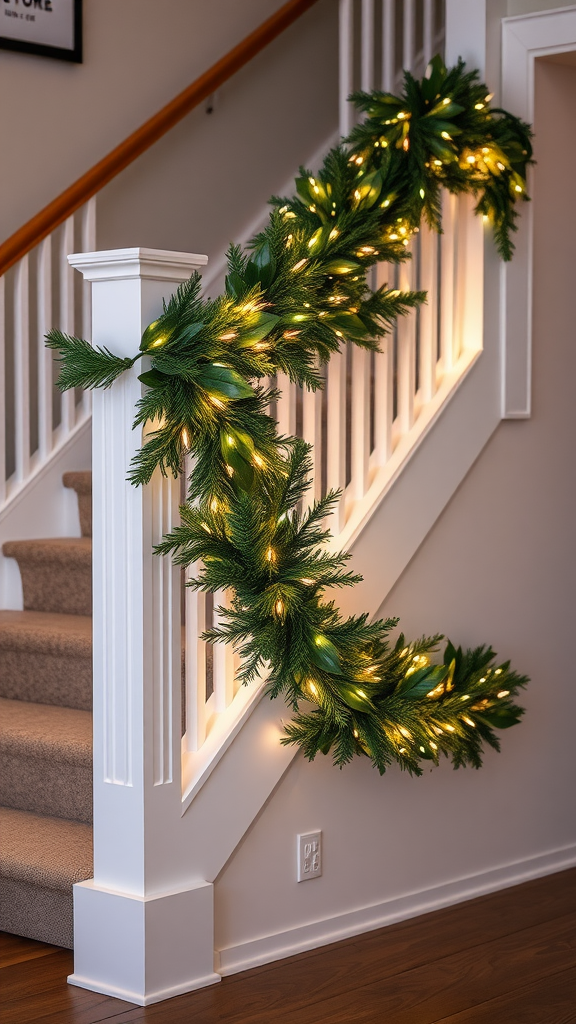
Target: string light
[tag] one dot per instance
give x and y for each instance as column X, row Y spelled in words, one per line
column 469, row 721
column 270, row 555
column 185, row 440
column 258, row 461
column 217, row 402
column 299, row 265
column 279, row 608
column 229, row 336
column 503, row 693
column 214, row 505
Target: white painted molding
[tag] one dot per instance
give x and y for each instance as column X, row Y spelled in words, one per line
column 524, row 39
column 343, row 926
column 136, row 263
column 139, row 849
column 143, row 948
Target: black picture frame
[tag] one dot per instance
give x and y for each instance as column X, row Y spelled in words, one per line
column 41, row 50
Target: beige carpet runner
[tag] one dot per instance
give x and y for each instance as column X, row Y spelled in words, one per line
column 46, row 732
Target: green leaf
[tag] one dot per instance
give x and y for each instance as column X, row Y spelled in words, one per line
column 235, row 286
column 500, row 718
column 420, row 682
column 324, row 655
column 154, row 379
column 237, row 449
column 355, row 698
column 223, row 382
column 342, row 266
column 351, row 325
column 433, row 77
column 258, row 330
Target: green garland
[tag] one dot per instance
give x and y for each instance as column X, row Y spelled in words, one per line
column 290, row 300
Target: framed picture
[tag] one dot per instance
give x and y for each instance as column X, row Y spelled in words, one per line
column 50, row 28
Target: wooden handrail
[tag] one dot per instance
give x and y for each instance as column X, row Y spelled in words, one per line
column 28, row 236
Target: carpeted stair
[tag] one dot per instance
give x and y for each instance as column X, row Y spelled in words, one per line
column 46, row 732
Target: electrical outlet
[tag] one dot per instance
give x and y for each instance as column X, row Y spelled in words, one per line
column 309, row 856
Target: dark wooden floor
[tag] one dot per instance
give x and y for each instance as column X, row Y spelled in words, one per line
column 508, row 958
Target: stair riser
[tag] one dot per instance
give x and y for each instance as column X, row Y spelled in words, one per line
column 37, row 913
column 85, row 509
column 46, row 787
column 57, row 587
column 46, row 678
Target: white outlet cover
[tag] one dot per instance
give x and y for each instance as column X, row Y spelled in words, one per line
column 309, row 856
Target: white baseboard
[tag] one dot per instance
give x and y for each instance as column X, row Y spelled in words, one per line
column 343, row 926
column 157, row 996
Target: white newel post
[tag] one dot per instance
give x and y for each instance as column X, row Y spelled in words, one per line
column 143, row 926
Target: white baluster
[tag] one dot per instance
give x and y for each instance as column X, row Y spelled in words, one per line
column 3, row 386
column 22, row 368
column 67, row 314
column 409, row 34
column 383, row 400
column 367, row 45
column 346, row 81
column 224, row 662
column 360, row 422
column 88, row 245
column 406, row 357
column 312, row 434
column 448, row 240
column 336, row 431
column 45, row 358
column 195, row 672
column 428, row 31
column 388, row 46
column 428, row 312
column 286, row 405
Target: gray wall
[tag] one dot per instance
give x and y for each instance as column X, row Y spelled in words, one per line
column 58, row 119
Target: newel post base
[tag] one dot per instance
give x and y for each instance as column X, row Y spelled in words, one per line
column 143, row 948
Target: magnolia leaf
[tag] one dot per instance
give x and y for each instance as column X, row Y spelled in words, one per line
column 324, row 655
column 501, row 718
column 154, row 336
column 258, row 330
column 223, row 381
column 433, row 77
column 342, row 266
column 154, row 379
column 350, row 325
column 355, row 698
column 239, row 441
column 235, row 286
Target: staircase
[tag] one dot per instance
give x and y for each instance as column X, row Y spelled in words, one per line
column 177, row 784
column 46, row 731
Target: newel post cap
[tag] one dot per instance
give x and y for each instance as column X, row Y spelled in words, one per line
column 128, row 264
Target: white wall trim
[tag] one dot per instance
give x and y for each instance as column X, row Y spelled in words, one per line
column 320, row 933
column 524, row 38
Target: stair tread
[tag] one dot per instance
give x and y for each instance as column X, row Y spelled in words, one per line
column 48, row 632
column 66, row 550
column 49, row 852
column 79, row 481
column 62, row 735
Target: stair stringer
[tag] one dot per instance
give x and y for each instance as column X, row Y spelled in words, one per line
column 382, row 540
column 43, row 507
